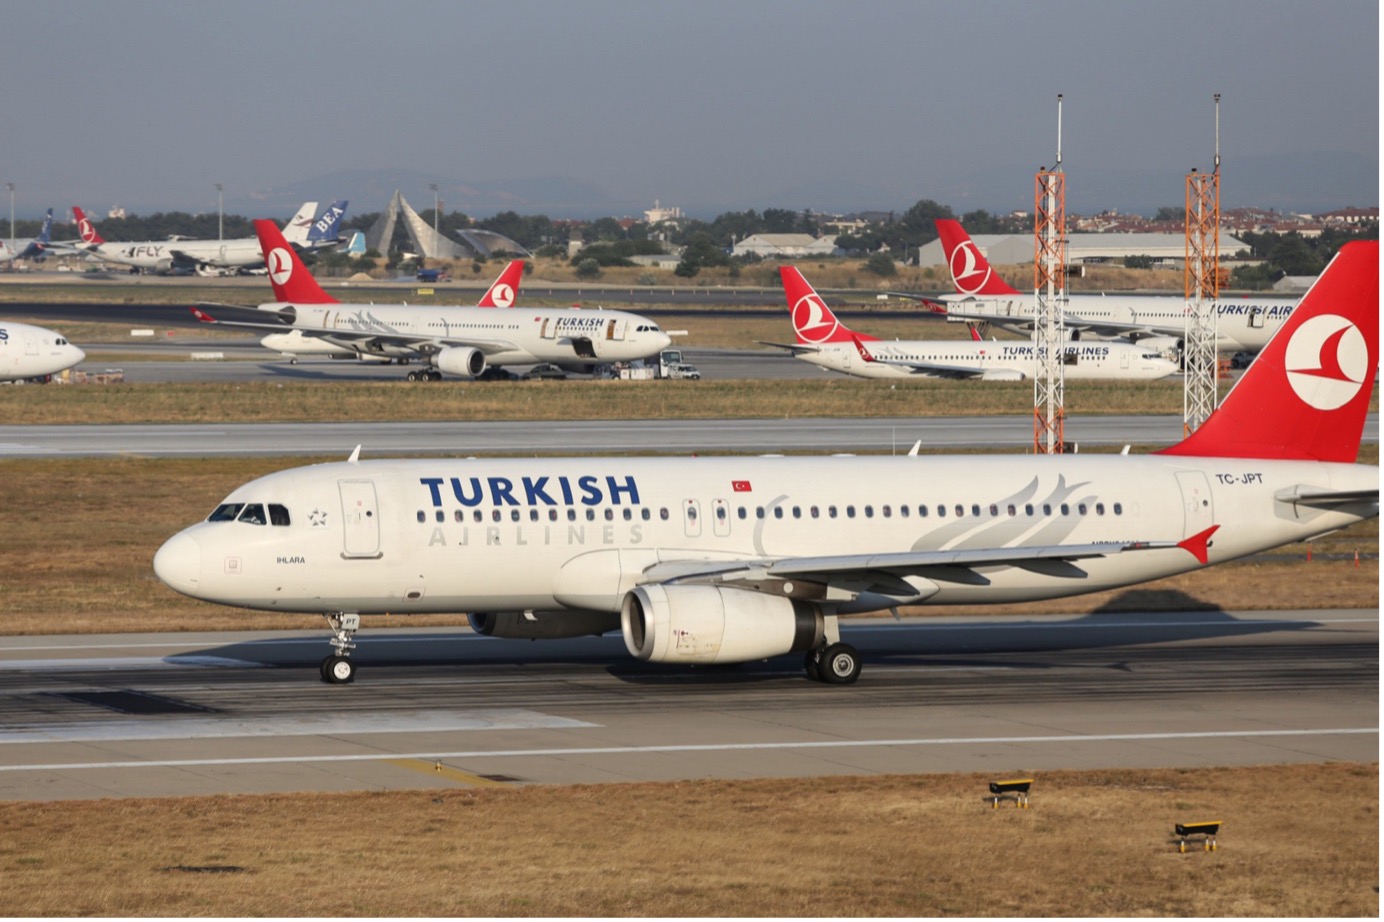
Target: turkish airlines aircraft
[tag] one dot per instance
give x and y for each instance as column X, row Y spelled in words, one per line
column 500, row 294
column 1157, row 322
column 33, row 352
column 167, row 255
column 724, row 560
column 455, row 340
column 825, row 341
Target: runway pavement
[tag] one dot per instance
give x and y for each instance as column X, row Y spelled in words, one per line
column 154, row 715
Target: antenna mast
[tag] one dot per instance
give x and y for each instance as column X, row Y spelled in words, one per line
column 1050, row 301
column 1201, row 286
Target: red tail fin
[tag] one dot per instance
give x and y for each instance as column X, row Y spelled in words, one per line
column 502, row 293
column 813, row 321
column 1306, row 395
column 970, row 271
column 86, row 228
column 291, row 279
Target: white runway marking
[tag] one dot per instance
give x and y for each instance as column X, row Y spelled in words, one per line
column 327, row 725
column 125, row 662
column 728, row 747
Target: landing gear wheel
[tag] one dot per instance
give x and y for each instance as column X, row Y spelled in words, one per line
column 839, row 664
column 434, row 375
column 338, row 670
column 413, row 376
column 812, row 665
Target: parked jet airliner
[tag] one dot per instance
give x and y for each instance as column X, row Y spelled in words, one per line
column 454, row 340
column 825, row 341
column 296, row 343
column 207, row 255
column 35, row 248
column 1156, row 322
column 33, row 352
column 727, row 559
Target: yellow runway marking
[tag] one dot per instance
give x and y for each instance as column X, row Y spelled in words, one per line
column 446, row 771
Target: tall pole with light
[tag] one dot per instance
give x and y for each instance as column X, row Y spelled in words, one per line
column 10, row 186
column 220, row 211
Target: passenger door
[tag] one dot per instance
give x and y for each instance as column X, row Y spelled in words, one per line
column 360, row 519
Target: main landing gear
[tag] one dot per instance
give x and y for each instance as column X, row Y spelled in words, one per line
column 832, row 661
column 425, row 374
column 338, row 669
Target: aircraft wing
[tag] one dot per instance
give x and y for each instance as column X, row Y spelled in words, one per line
column 795, row 348
column 888, row 573
column 353, row 338
column 936, row 369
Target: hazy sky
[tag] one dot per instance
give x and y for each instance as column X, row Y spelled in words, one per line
column 711, row 105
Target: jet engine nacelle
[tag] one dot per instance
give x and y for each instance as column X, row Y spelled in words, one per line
column 544, row 625
column 460, row 360
column 1001, row 374
column 713, row 624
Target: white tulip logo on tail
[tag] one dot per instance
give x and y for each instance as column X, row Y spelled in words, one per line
column 963, row 264
column 280, row 265
column 812, row 320
column 1327, row 361
column 502, row 295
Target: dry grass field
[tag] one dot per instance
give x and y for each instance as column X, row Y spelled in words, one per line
column 1296, row 841
column 831, row 396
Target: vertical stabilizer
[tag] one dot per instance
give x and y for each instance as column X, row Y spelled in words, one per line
column 971, row 272
column 291, row 280
column 1306, row 395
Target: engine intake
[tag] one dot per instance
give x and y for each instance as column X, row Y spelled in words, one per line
column 712, row 624
column 460, row 360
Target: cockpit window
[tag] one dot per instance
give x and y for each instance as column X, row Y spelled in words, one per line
column 278, row 515
column 253, row 513
column 226, row 512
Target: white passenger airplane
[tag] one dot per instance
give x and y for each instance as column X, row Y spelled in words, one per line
column 199, row 255
column 35, row 248
column 455, row 340
column 728, row 559
column 296, row 344
column 825, row 341
column 33, row 352
column 1154, row 321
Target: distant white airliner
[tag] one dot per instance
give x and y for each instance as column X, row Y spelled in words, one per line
column 35, row 248
column 453, row 340
column 1155, row 322
column 205, row 255
column 33, row 352
column 730, row 559
column 824, row 340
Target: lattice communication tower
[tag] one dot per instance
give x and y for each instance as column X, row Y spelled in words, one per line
column 1050, row 302
column 1201, row 286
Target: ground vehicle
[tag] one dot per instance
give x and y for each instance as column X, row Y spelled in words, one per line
column 671, row 365
column 434, row 275
column 545, row 370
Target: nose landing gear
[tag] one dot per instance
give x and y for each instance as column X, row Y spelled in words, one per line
column 338, row 669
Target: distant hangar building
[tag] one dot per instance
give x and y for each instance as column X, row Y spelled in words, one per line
column 1167, row 251
column 475, row 243
column 785, row 246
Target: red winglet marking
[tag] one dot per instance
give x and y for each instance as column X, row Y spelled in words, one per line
column 860, row 347
column 203, row 315
column 1197, row 544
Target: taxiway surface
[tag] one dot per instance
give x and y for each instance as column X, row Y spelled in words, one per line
column 157, row 715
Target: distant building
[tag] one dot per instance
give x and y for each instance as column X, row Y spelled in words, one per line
column 475, row 244
column 1352, row 216
column 785, row 246
column 659, row 214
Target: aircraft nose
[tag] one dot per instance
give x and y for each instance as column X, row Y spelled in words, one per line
column 179, row 563
column 77, row 354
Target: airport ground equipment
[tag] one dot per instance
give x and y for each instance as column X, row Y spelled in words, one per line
column 1015, row 789
column 1204, row 832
